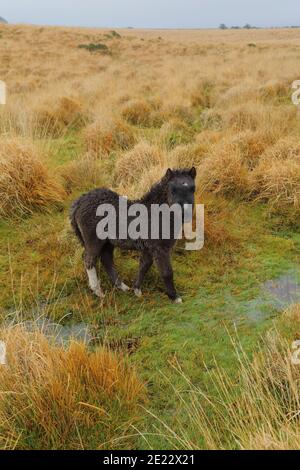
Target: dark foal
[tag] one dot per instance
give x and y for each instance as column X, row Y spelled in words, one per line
column 176, row 187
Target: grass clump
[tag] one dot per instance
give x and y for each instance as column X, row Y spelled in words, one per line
column 137, row 112
column 53, row 118
column 92, row 47
column 107, row 135
column 224, row 171
column 25, row 182
column 113, row 34
column 55, row 398
column 175, row 132
column 278, row 182
column 276, row 178
column 136, row 163
column 202, row 96
column 185, row 156
column 85, row 173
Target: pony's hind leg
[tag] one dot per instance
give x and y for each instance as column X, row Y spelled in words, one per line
column 107, row 259
column 90, row 261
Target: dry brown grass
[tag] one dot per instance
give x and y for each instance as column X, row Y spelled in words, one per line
column 55, row 115
column 278, row 182
column 174, row 132
column 224, row 171
column 131, row 166
column 85, row 173
column 137, row 112
column 54, row 398
column 25, row 182
column 203, row 94
column 165, row 91
column 107, row 135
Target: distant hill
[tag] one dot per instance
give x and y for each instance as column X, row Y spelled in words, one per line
column 2, row 20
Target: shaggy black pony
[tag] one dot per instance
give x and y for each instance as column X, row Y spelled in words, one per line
column 176, row 187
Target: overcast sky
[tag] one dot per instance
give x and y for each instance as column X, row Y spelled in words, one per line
column 152, row 13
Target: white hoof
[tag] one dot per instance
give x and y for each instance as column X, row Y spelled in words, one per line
column 124, row 288
column 99, row 293
column 178, row 300
column 138, row 292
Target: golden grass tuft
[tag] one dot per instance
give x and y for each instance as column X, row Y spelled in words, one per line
column 275, row 89
column 85, row 173
column 107, row 135
column 137, row 112
column 53, row 118
column 131, row 166
column 278, row 182
column 55, row 398
column 153, row 175
column 202, row 95
column 276, row 179
column 174, row 132
column 223, row 171
column 256, row 116
column 211, row 119
column 293, row 313
column 185, row 156
column 25, row 182
column 284, row 149
column 252, row 144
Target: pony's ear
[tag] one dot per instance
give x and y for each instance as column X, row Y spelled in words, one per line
column 169, row 173
column 193, row 172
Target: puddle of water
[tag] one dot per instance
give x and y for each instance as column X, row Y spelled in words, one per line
column 284, row 290
column 61, row 334
column 276, row 295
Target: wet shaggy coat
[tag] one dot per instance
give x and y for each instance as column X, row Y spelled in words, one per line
column 177, row 186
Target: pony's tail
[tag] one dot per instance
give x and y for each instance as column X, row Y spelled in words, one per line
column 73, row 221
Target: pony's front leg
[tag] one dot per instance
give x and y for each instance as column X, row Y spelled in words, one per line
column 163, row 262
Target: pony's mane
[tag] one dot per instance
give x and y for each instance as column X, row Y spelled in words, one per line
column 161, row 186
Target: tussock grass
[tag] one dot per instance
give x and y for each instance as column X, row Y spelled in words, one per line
column 85, row 173
column 131, row 166
column 54, row 116
column 277, row 176
column 224, row 171
column 54, row 398
column 203, row 94
column 252, row 145
column 107, row 135
column 25, row 182
column 275, row 89
column 284, row 149
column 174, row 132
column 185, row 156
column 137, row 112
column 256, row 116
column 278, row 182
